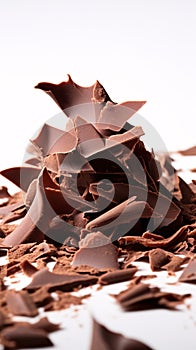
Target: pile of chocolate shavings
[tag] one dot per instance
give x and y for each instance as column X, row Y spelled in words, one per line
column 92, row 251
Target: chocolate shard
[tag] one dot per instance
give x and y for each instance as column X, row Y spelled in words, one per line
column 131, row 242
column 24, row 336
column 114, row 116
column 51, row 140
column 28, row 268
column 162, row 259
column 68, row 94
column 117, row 276
column 65, row 282
column 89, row 139
column 21, row 304
column 21, row 176
column 96, row 250
column 104, row 339
column 189, row 273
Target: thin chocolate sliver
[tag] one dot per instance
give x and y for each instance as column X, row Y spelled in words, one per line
column 189, row 273
column 117, row 276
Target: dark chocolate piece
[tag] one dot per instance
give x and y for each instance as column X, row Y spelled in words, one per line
column 189, row 273
column 96, row 251
column 144, row 297
column 24, row 336
column 117, row 276
column 161, row 259
column 68, row 94
column 53, row 281
column 21, row 176
column 28, row 268
column 21, row 304
column 104, row 339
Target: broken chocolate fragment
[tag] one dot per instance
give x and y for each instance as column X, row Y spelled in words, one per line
column 104, row 339
column 24, row 336
column 21, row 304
column 54, row 281
column 189, row 273
column 96, row 251
column 161, row 259
column 117, row 276
column 143, row 297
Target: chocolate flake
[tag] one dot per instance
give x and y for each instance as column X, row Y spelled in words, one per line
column 143, row 297
column 117, row 276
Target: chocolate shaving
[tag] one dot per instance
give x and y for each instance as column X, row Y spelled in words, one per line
column 117, row 276
column 144, row 297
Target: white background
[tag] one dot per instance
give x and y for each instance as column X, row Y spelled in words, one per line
column 138, row 49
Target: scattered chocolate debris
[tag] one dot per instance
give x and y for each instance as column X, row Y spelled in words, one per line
column 64, row 301
column 104, row 339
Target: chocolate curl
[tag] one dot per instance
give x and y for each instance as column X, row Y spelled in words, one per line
column 128, row 211
column 135, row 242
